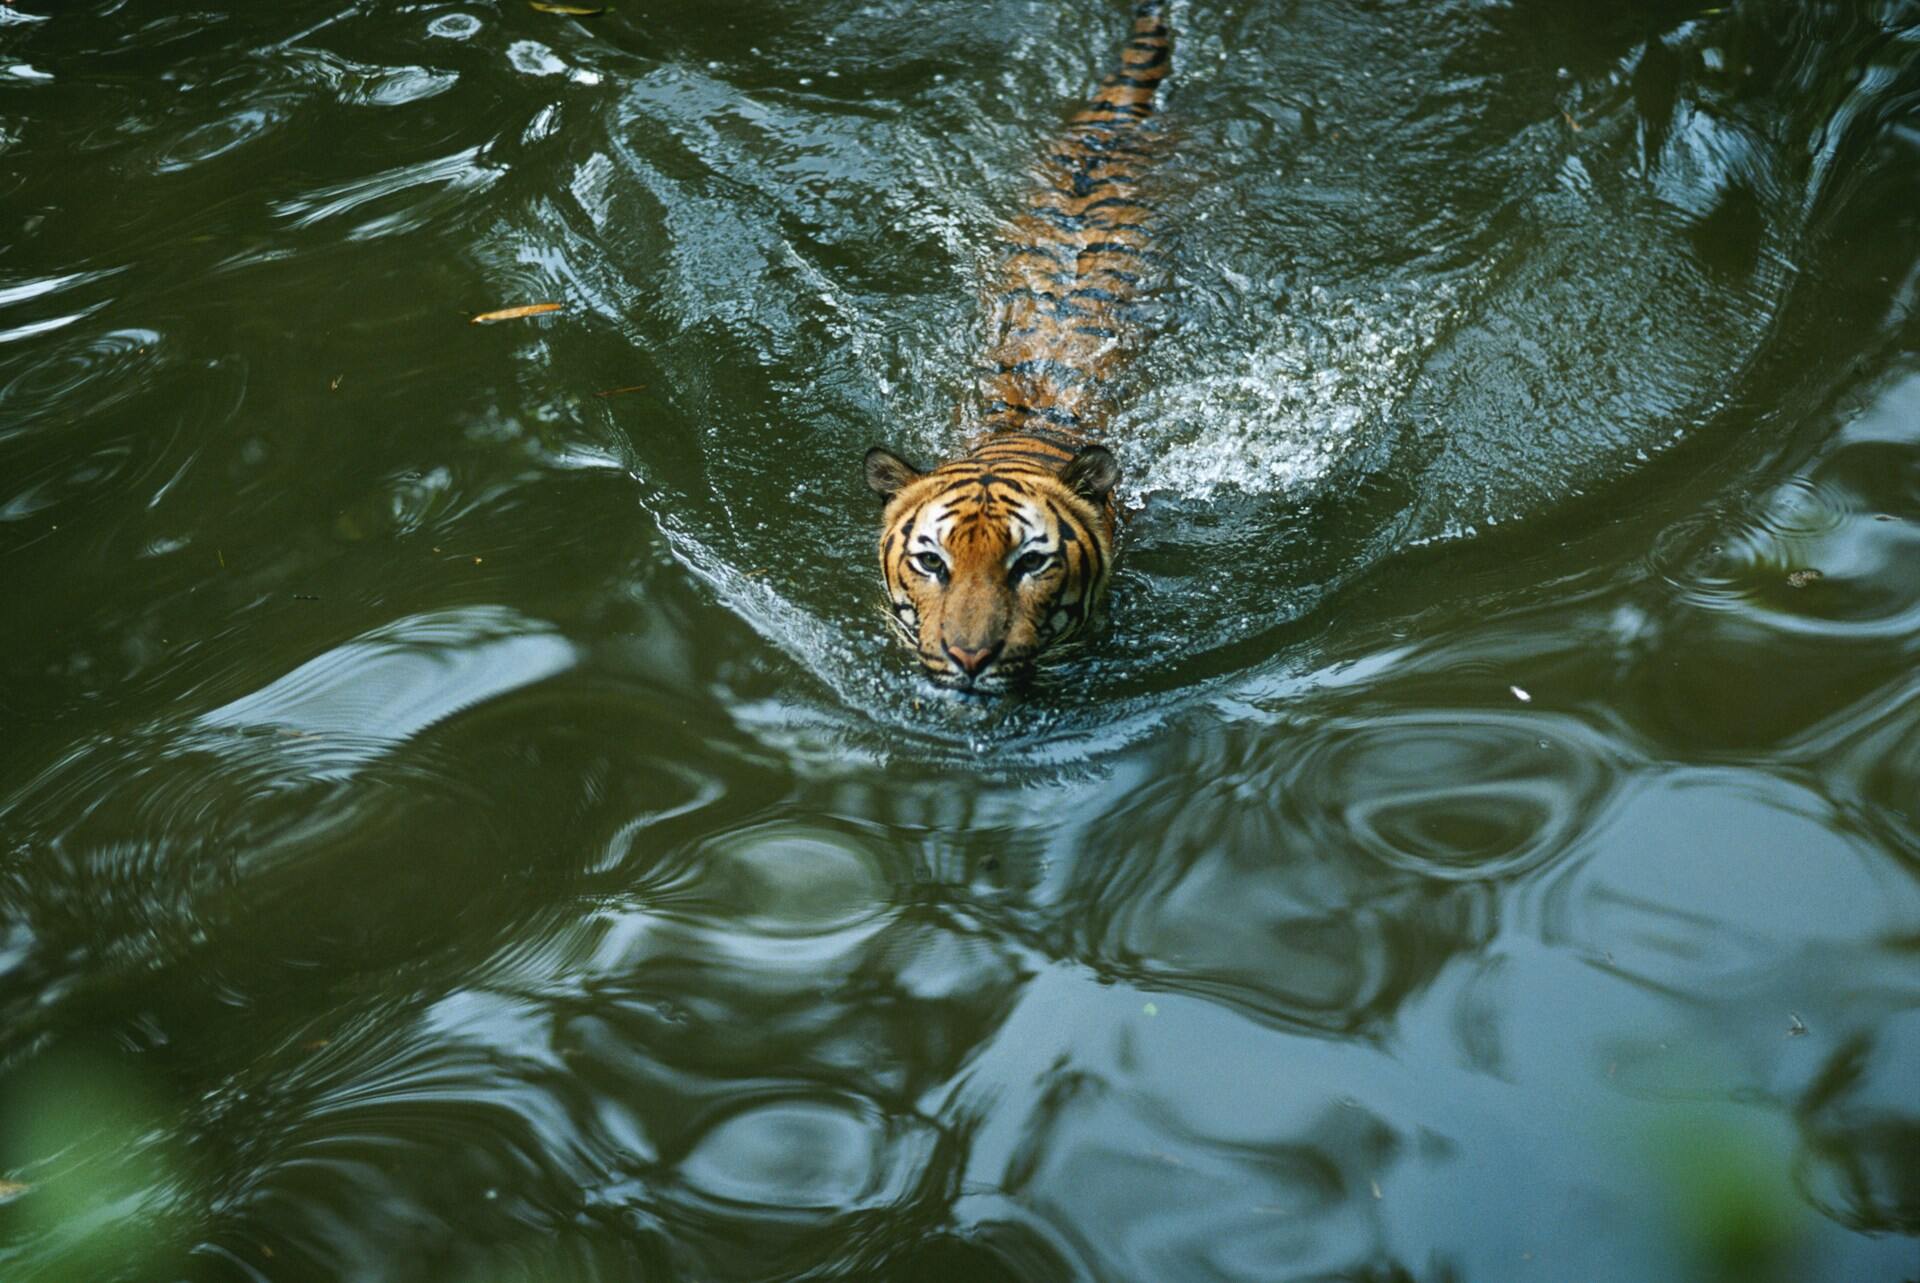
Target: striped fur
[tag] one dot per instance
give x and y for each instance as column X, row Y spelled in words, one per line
column 997, row 556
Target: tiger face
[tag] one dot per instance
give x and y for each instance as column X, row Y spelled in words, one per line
column 989, row 562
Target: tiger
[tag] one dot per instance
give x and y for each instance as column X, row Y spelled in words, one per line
column 1000, row 556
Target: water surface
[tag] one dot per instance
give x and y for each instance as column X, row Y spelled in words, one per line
column 458, row 825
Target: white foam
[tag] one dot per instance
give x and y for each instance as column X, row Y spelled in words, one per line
column 1325, row 378
column 535, row 59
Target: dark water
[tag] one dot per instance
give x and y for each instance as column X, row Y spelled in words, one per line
column 458, row 826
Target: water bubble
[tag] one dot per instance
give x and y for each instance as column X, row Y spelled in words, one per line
column 454, row 26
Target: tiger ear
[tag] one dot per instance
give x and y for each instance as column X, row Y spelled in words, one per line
column 887, row 472
column 1092, row 473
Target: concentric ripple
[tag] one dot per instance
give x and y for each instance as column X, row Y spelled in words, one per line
column 785, row 879
column 110, row 368
column 1457, row 797
column 1722, row 564
column 802, row 1156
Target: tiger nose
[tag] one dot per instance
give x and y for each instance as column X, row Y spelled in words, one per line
column 972, row 661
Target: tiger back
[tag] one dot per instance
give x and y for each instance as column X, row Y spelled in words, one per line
column 995, row 561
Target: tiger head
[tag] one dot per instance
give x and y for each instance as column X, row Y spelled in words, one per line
column 988, row 563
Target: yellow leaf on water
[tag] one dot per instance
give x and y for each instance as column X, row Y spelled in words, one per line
column 12, row 1189
column 568, row 10
column 515, row 313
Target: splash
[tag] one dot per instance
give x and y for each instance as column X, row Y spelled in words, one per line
column 1277, row 418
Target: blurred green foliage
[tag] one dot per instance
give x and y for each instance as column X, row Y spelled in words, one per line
column 1723, row 1179
column 87, row 1137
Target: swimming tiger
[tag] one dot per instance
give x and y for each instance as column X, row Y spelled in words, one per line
column 994, row 557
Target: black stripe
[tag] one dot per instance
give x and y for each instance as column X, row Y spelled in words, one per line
column 1058, row 278
column 1098, row 558
column 1120, row 143
column 1045, row 414
column 1025, row 443
column 1069, row 533
column 1077, row 222
column 1056, row 370
column 1113, row 202
column 1084, row 186
column 1041, row 434
column 1056, row 304
column 1110, row 247
column 1081, row 161
column 1047, row 462
column 1053, row 253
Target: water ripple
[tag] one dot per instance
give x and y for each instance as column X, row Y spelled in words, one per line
column 799, row 1157
column 456, row 174
column 399, row 679
column 608, row 905
column 1459, row 795
column 113, row 367
column 1825, row 553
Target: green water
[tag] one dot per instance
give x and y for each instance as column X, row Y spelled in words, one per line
column 457, row 825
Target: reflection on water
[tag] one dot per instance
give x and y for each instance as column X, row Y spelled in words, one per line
column 401, row 679
column 457, row 825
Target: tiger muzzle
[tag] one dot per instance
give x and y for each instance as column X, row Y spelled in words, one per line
column 973, row 660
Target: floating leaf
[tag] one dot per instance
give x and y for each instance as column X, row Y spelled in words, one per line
column 515, row 313
column 568, row 10
column 12, row 1189
column 631, row 387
